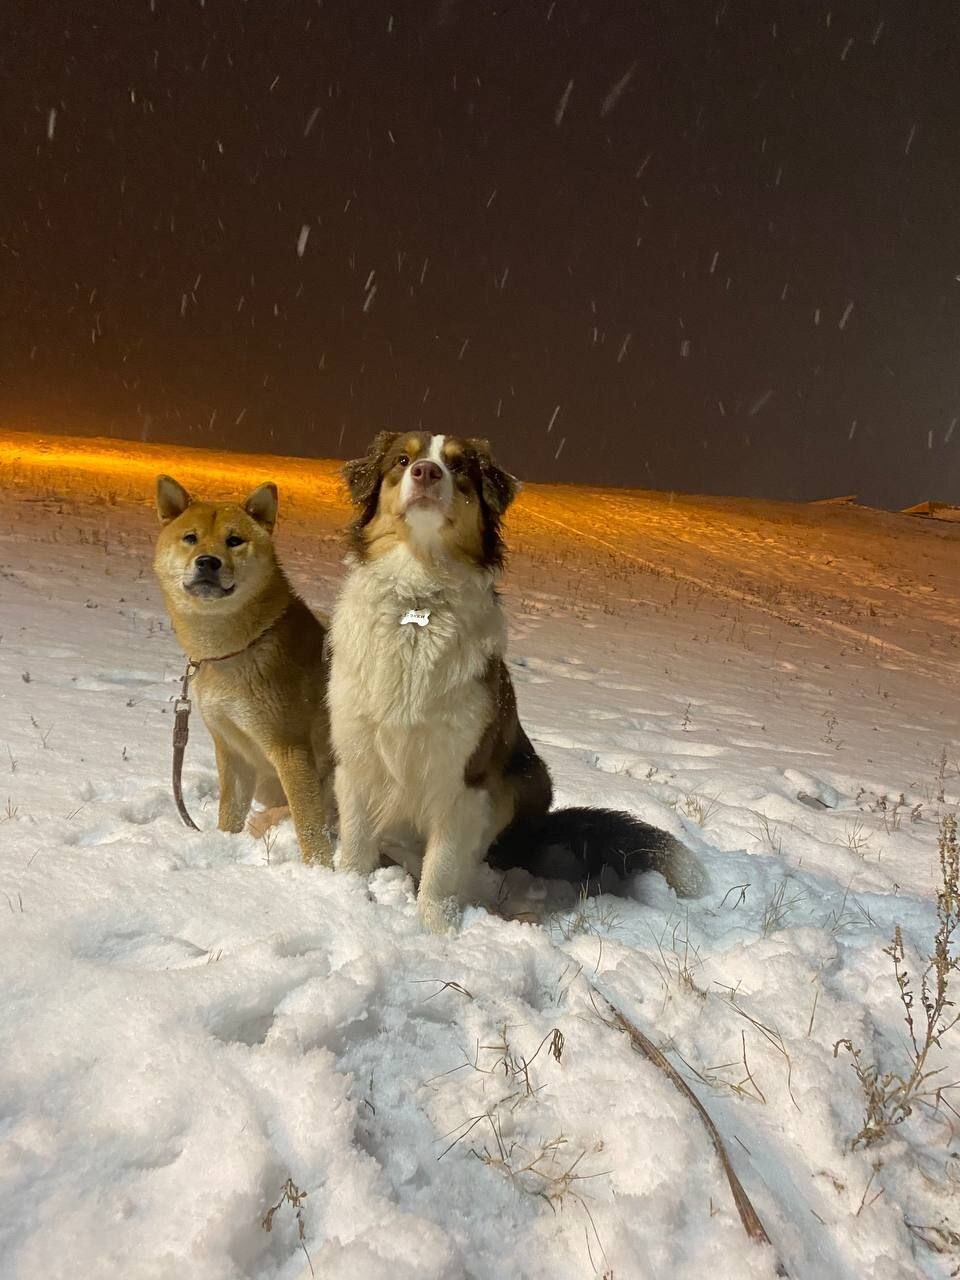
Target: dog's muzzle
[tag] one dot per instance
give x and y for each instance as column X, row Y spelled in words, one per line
column 426, row 487
column 205, row 582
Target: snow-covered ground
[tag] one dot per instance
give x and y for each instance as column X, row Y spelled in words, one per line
column 189, row 1020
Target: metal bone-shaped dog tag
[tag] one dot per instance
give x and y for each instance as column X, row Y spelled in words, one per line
column 421, row 617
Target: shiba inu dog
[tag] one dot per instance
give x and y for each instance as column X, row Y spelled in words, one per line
column 261, row 672
column 424, row 719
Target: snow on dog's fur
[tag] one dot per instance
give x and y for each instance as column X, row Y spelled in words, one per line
column 423, row 714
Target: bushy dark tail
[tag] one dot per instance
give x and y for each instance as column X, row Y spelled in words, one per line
column 598, row 848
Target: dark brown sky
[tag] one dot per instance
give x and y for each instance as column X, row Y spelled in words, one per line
column 716, row 235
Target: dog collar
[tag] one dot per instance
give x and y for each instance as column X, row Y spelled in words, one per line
column 197, row 663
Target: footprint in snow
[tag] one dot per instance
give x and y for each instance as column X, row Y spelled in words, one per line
column 146, row 809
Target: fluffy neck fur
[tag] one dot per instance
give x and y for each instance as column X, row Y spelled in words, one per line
column 223, row 627
column 400, row 578
column 400, row 673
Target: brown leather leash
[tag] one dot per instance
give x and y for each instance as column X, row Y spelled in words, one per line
column 181, row 732
column 181, row 719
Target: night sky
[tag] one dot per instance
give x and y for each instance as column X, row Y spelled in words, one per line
column 707, row 246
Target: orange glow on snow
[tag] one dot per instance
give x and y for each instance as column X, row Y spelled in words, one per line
column 127, row 470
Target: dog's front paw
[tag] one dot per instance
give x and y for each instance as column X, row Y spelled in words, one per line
column 258, row 824
column 439, row 915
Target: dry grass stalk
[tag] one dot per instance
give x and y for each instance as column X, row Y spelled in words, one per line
column 592, row 915
column 700, row 808
column 681, row 963
column 292, row 1195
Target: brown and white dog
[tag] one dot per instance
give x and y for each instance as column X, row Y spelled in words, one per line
column 423, row 715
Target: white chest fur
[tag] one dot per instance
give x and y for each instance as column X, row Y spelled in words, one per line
column 408, row 706
column 406, row 676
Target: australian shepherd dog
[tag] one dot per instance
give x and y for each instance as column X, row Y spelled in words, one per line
column 424, row 727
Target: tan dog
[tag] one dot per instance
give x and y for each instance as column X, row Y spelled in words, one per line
column 262, row 676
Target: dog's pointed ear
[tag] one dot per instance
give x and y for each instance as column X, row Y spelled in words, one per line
column 361, row 475
column 172, row 499
column 262, row 505
column 498, row 487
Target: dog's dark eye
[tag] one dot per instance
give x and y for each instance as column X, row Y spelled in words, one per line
column 454, row 464
column 235, row 540
column 403, row 460
column 190, row 539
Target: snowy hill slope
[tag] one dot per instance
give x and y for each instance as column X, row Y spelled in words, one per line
column 188, row 1020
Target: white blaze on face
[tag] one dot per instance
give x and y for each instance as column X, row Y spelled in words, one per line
column 425, row 520
column 436, row 450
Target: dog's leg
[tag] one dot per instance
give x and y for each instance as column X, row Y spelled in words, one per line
column 268, row 791
column 455, row 846
column 304, row 789
column 237, row 781
column 330, row 815
column 359, row 850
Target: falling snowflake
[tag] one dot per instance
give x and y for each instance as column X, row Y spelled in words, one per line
column 562, row 104
column 616, row 93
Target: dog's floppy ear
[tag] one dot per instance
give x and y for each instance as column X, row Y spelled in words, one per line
column 172, row 499
column 497, row 487
column 362, row 474
column 262, row 505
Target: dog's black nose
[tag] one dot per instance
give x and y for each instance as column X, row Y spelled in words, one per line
column 208, row 564
column 426, row 472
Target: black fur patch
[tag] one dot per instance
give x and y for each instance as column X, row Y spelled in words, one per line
column 496, row 489
column 581, row 844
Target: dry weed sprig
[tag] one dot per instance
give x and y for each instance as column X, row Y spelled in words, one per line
column 540, row 1172
column 843, row 917
column 774, row 1038
column 512, row 1066
column 515, row 1065
column 444, row 986
column 940, row 1239
column 700, row 808
column 680, row 963
column 778, row 907
column 857, row 837
column 941, row 775
column 292, row 1195
column 741, row 889
column 710, row 1077
column 44, row 734
column 890, row 1096
column 268, row 839
column 768, row 833
column 864, row 1203
column 592, row 915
